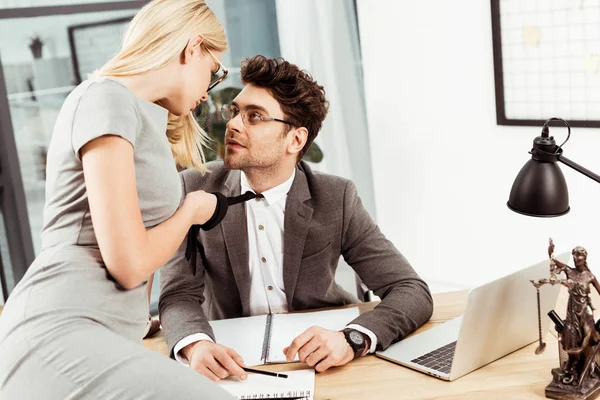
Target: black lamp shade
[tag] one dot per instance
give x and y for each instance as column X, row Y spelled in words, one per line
column 540, row 190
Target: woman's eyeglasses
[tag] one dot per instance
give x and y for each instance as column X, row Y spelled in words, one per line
column 218, row 76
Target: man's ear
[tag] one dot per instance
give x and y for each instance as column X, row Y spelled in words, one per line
column 191, row 49
column 299, row 138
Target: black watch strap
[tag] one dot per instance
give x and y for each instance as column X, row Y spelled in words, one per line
column 358, row 348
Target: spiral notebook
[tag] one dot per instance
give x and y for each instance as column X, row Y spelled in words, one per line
column 299, row 385
column 261, row 339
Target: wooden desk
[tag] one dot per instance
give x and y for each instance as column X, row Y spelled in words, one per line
column 520, row 375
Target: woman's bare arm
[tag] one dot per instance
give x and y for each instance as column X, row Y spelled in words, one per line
column 131, row 253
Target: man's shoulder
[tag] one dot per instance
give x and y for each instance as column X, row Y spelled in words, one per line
column 211, row 180
column 327, row 190
column 322, row 180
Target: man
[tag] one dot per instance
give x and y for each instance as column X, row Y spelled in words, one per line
column 279, row 253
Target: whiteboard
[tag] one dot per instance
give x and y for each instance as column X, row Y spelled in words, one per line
column 547, row 61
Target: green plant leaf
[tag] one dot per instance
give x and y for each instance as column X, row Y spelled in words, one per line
column 314, row 154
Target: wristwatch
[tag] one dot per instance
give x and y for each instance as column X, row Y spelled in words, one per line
column 356, row 340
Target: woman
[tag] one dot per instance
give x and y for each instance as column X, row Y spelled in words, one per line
column 114, row 214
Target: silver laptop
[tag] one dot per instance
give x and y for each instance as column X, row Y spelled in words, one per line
column 500, row 317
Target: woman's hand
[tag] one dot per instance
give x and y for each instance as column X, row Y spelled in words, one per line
column 200, row 206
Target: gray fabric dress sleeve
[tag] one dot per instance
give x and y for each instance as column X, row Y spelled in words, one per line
column 105, row 108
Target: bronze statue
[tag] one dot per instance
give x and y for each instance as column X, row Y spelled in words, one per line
column 578, row 377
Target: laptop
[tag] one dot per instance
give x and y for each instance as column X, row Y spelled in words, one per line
column 500, row 317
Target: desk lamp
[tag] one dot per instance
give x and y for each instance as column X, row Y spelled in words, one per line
column 540, row 190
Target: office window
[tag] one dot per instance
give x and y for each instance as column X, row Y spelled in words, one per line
column 38, row 68
column 39, row 76
column 251, row 29
column 46, row 3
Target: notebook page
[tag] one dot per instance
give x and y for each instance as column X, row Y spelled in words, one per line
column 285, row 327
column 298, row 384
column 245, row 335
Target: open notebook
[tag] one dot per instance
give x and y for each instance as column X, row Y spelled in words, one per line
column 261, row 339
column 299, row 385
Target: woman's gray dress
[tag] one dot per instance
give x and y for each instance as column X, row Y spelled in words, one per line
column 68, row 330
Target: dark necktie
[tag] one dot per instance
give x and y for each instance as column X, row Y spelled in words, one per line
column 193, row 245
column 243, row 197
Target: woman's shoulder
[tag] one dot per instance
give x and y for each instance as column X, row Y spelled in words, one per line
column 102, row 96
column 102, row 88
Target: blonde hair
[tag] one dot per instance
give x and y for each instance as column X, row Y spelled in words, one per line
column 156, row 36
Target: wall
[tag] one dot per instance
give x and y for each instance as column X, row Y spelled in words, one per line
column 442, row 167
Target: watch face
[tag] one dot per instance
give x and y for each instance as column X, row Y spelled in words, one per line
column 356, row 337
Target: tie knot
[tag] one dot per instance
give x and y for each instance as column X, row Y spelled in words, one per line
column 244, row 197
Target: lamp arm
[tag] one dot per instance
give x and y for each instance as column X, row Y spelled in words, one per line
column 579, row 168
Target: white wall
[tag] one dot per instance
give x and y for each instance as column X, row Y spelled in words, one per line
column 442, row 167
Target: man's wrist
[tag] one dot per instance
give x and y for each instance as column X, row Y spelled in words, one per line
column 357, row 340
column 368, row 346
column 187, row 351
column 372, row 337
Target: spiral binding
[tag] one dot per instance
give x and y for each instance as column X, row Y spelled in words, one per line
column 267, row 340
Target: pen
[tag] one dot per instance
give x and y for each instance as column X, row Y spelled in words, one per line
column 257, row 371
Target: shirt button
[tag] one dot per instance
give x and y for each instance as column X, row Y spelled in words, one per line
column 263, row 259
column 261, row 228
column 270, row 287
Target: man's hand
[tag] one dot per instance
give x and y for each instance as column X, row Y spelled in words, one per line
column 214, row 361
column 320, row 348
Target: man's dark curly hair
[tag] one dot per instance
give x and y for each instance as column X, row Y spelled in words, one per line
column 301, row 98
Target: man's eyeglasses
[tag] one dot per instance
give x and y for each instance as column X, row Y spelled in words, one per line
column 216, row 78
column 249, row 118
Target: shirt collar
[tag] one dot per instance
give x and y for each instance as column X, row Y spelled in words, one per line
column 272, row 195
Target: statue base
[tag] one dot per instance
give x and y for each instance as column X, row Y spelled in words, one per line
column 589, row 389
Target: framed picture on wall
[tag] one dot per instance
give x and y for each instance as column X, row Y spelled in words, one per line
column 94, row 44
column 546, row 61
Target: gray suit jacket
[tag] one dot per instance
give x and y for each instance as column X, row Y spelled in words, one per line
column 324, row 218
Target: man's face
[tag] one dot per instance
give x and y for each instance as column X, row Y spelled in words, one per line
column 262, row 145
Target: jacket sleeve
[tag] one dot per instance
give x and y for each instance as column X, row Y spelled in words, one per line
column 406, row 302
column 182, row 296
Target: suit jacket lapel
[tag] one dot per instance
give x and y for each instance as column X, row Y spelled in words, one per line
column 235, row 235
column 296, row 224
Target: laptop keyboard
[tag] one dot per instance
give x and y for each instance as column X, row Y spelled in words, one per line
column 439, row 359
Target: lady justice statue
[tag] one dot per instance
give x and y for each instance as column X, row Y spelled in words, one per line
column 578, row 377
